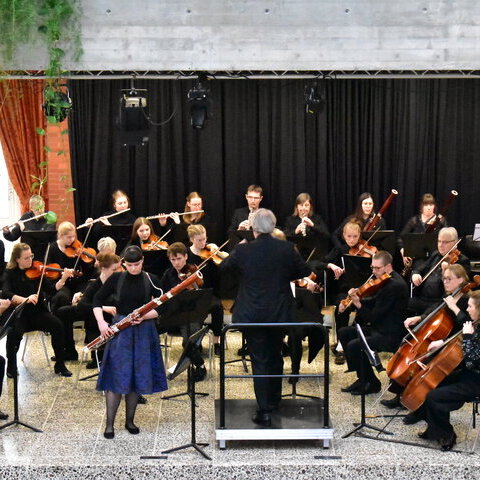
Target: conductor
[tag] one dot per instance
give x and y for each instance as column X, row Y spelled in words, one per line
column 265, row 267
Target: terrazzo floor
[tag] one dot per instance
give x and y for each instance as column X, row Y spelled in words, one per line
column 71, row 415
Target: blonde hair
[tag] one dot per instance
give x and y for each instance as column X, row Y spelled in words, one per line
column 64, row 228
column 352, row 225
column 107, row 242
column 107, row 259
column 17, row 250
column 194, row 230
column 279, row 234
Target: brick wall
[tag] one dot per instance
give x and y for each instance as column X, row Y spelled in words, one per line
column 60, row 200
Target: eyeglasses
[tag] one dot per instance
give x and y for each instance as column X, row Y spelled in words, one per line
column 250, row 197
column 446, row 241
column 449, row 279
column 377, row 268
column 29, row 257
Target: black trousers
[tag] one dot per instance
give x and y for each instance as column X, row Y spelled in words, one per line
column 39, row 320
column 417, row 305
column 459, row 387
column 265, row 349
column 354, row 355
column 216, row 311
column 2, row 372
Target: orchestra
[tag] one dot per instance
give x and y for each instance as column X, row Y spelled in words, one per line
column 81, row 284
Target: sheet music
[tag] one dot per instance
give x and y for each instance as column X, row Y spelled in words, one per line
column 476, row 233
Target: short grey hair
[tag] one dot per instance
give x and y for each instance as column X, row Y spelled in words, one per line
column 263, row 221
column 450, row 232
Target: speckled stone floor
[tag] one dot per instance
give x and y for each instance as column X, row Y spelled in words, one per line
column 71, row 415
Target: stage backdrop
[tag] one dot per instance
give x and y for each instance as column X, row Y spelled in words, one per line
column 374, row 135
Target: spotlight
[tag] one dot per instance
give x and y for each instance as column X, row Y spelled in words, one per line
column 133, row 117
column 200, row 103
column 315, row 97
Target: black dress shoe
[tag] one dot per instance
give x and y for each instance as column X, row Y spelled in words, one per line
column 425, row 435
column 293, row 380
column 3, row 416
column 91, row 365
column 133, row 429
column 199, row 373
column 61, row 369
column 340, row 358
column 12, row 372
column 262, row 418
column 367, row 389
column 351, row 387
column 242, row 352
column 412, row 418
column 392, row 402
column 447, row 444
column 109, row 435
column 71, row 356
column 142, row 400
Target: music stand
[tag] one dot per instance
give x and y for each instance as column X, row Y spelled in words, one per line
column 419, row 245
column 38, row 240
column 383, row 240
column 185, row 363
column 318, row 244
column 187, row 307
column 306, row 311
column 3, row 331
column 374, row 361
column 155, row 261
column 357, row 269
column 120, row 233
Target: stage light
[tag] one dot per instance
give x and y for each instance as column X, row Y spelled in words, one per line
column 200, row 103
column 315, row 99
column 133, row 117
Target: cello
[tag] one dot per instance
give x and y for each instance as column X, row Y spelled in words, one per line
column 436, row 326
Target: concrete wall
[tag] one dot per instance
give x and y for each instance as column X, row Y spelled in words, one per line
column 275, row 35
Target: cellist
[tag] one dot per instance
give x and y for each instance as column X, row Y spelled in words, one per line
column 382, row 317
column 462, row 385
column 454, row 276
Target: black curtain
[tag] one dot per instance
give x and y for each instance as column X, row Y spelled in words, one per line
column 416, row 136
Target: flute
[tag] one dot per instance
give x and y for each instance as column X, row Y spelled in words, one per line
column 51, row 218
column 100, row 218
column 152, row 217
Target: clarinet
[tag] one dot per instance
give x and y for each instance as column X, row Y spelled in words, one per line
column 132, row 318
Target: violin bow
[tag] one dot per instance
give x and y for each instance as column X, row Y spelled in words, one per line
column 85, row 241
column 157, row 242
column 43, row 270
column 212, row 254
column 369, row 238
column 311, row 254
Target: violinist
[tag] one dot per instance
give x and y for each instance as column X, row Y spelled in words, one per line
column 429, row 291
column 381, row 317
column 241, row 219
column 120, row 203
column 18, row 288
column 37, row 207
column 462, row 385
column 198, row 251
column 304, row 221
column 178, row 255
column 419, row 223
column 454, row 276
column 64, row 251
column 143, row 235
column 352, row 233
column 364, row 212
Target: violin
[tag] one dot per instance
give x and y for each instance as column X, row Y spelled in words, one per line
column 363, row 249
column 453, row 256
column 187, row 270
column 52, row 271
column 370, row 287
column 303, row 283
column 218, row 257
column 154, row 243
column 76, row 249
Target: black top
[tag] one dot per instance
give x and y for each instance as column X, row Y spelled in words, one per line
column 15, row 282
column 386, row 311
column 292, row 222
column 337, row 235
column 169, row 279
column 471, row 350
column 125, row 218
column 432, row 287
column 239, row 215
column 38, row 225
column 458, row 320
column 132, row 294
column 209, row 271
column 266, row 266
column 415, row 225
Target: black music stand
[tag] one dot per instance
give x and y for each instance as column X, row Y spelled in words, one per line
column 306, row 311
column 374, row 361
column 185, row 363
column 357, row 269
column 419, row 245
column 383, row 240
column 187, row 307
column 3, row 331
column 236, row 236
column 120, row 233
column 319, row 244
column 38, row 240
column 155, row 261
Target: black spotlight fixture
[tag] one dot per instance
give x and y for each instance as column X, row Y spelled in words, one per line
column 57, row 103
column 133, row 116
column 315, row 98
column 200, row 103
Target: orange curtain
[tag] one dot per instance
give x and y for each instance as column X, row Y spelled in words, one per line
column 20, row 116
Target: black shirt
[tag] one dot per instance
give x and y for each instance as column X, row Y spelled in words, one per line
column 38, row 225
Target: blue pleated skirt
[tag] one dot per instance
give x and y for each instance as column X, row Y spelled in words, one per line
column 132, row 361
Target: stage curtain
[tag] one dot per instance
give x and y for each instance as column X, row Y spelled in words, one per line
column 414, row 135
column 20, row 116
